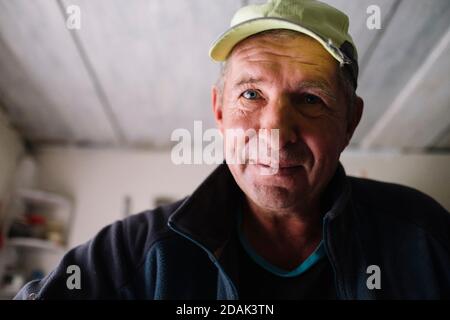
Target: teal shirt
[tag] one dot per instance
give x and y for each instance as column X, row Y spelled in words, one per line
column 260, row 279
column 318, row 254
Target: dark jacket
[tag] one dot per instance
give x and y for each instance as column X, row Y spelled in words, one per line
column 187, row 250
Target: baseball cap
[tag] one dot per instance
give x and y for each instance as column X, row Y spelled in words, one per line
column 320, row 21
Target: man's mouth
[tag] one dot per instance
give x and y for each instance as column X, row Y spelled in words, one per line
column 280, row 165
column 281, row 169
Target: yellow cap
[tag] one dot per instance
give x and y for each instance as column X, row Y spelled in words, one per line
column 316, row 19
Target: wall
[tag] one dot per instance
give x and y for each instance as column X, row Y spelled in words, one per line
column 98, row 180
column 11, row 150
column 429, row 173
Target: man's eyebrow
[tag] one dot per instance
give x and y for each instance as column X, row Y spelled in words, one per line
column 320, row 85
column 248, row 79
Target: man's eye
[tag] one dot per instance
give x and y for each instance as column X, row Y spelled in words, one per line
column 250, row 94
column 312, row 99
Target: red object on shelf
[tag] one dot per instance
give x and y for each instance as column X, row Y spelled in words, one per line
column 36, row 219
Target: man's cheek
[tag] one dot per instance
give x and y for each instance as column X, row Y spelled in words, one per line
column 233, row 119
column 323, row 144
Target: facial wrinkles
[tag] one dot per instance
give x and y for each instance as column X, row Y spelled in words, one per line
column 279, row 60
column 280, row 68
column 273, row 79
column 283, row 71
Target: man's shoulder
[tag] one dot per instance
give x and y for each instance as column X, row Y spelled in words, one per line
column 392, row 195
column 385, row 200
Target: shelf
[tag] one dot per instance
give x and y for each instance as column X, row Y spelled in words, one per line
column 28, row 254
column 35, row 244
column 41, row 196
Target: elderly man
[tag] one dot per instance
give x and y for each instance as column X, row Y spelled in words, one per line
column 307, row 231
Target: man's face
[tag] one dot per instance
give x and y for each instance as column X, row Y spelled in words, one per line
column 291, row 84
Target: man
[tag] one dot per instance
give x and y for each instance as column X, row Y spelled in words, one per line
column 307, row 231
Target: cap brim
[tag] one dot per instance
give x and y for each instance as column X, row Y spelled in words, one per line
column 222, row 47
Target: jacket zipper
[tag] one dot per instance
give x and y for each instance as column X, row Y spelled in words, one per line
column 340, row 293
column 211, row 256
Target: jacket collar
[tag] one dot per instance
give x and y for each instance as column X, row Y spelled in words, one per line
column 208, row 216
column 337, row 194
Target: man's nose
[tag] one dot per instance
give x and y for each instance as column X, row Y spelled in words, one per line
column 281, row 115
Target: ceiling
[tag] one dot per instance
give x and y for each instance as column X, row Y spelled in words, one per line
column 138, row 69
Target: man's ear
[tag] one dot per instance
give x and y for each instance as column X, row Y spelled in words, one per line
column 354, row 119
column 217, row 107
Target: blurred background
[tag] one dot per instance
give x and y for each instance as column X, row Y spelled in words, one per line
column 86, row 114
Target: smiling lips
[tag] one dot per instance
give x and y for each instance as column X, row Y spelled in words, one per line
column 284, row 169
column 281, row 165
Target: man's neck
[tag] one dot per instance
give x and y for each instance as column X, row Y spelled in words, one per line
column 284, row 239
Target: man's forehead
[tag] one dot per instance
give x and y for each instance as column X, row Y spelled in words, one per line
column 248, row 71
column 249, row 78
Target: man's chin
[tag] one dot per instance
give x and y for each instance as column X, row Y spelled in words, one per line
column 275, row 197
column 292, row 177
